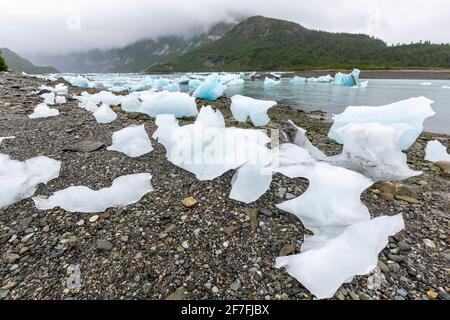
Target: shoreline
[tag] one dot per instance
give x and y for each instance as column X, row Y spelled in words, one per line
column 147, row 259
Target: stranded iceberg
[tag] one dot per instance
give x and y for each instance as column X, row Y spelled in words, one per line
column 436, row 152
column 210, row 89
column 133, row 141
column 245, row 107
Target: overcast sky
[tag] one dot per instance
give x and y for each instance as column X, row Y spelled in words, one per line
column 60, row 26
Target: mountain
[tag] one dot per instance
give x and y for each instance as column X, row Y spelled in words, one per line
column 260, row 43
column 3, row 66
column 18, row 64
column 135, row 57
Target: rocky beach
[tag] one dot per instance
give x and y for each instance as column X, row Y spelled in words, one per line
column 187, row 239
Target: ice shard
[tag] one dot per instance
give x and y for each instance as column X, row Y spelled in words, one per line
column 124, row 191
column 160, row 84
column 194, row 84
column 244, row 108
column 268, row 82
column 133, row 141
column 60, row 100
column 131, row 102
column 298, row 80
column 179, row 104
column 19, row 179
column 43, row 111
column 436, row 152
column 412, row 112
column 326, row 265
column 105, row 114
column 60, row 88
column 78, row 81
column 211, row 89
column 49, row 98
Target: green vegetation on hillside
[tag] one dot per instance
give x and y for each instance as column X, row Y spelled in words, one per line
column 3, row 66
column 261, row 43
column 19, row 64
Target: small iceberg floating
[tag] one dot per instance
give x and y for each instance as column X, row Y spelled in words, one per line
column 211, row 89
column 133, row 141
column 124, row 191
column 347, row 80
column 268, row 82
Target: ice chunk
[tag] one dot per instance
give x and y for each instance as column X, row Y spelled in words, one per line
column 43, row 111
column 242, row 75
column 245, row 107
column 325, row 79
column 60, row 100
column 324, row 268
column 371, row 149
column 412, row 111
column 179, row 104
column 445, row 87
column 194, row 84
column 338, row 189
column 270, row 82
column 210, row 89
column 208, row 150
column 347, row 80
column 60, row 88
column 104, row 114
column 436, row 152
column 173, row 87
column 78, row 81
column 133, row 141
column 19, row 179
column 298, row 80
column 124, row 191
column 226, row 78
column 49, row 98
column 425, row 84
column 160, row 84
column 236, row 82
column 131, row 102
column 364, row 84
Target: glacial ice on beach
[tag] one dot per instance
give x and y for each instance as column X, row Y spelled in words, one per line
column 124, row 191
column 173, row 87
column 105, row 114
column 43, row 111
column 160, row 84
column 436, row 152
column 270, row 82
column 19, row 179
column 133, row 141
column 244, row 107
column 327, row 264
column 60, row 99
column 371, row 149
column 347, row 80
column 78, row 81
column 179, row 104
column 412, row 111
column 193, row 84
column 131, row 102
column 211, row 89
column 208, row 149
column 49, row 98
column 60, row 88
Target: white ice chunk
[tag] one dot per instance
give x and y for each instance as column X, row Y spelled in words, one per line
column 43, row 111
column 249, row 183
column 236, row 82
column 49, row 98
column 323, row 269
column 173, row 87
column 160, row 84
column 124, row 191
column 364, row 84
column 105, row 114
column 60, row 88
column 412, row 111
column 298, row 80
column 60, row 100
column 245, row 107
column 133, row 141
column 426, row 84
column 268, row 82
column 78, row 81
column 194, row 84
column 325, row 79
column 445, row 87
column 131, row 102
column 19, row 179
column 179, row 104
column 211, row 89
column 333, row 196
column 436, row 152
column 226, row 78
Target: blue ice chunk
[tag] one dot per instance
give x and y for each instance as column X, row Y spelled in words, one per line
column 242, row 75
column 347, row 80
column 173, row 87
column 210, row 89
column 161, row 83
column 78, row 81
column 298, row 80
column 270, row 82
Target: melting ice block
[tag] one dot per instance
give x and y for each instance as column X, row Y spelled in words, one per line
column 347, row 80
column 160, row 84
column 298, row 80
column 179, row 104
column 211, row 89
column 105, row 114
column 124, row 191
column 226, row 78
column 270, row 82
column 325, row 79
column 173, row 87
column 104, row 97
column 133, row 141
column 322, row 269
column 78, row 81
column 436, row 152
column 131, row 102
column 245, row 107
column 60, row 88
column 49, row 98
column 371, row 149
column 208, row 150
column 412, row 111
column 194, row 84
column 60, row 100
column 19, row 179
column 43, row 111
column 333, row 195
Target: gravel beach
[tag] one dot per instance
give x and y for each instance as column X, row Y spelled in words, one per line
column 159, row 248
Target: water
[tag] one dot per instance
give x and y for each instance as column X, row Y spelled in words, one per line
column 323, row 96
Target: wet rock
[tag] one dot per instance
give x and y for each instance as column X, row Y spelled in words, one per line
column 287, row 249
column 85, row 146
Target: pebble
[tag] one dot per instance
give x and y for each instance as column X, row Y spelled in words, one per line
column 404, row 246
column 80, row 223
column 429, row 243
column 104, row 245
column 215, row 289
column 432, row 294
column 74, row 241
column 190, row 202
column 94, row 218
column 27, row 238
